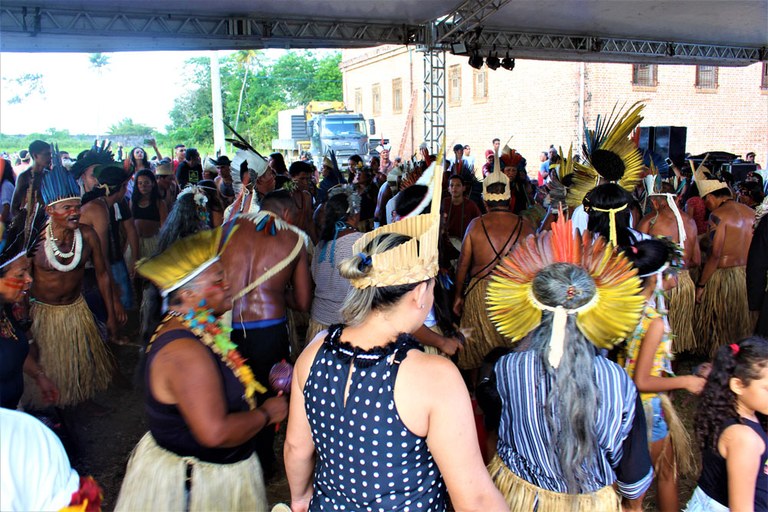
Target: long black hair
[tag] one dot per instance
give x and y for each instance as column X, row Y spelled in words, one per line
column 604, row 197
column 335, row 210
column 744, row 360
column 154, row 194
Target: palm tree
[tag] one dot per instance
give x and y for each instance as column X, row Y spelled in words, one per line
column 98, row 61
column 244, row 59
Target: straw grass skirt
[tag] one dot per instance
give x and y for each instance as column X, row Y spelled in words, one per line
column 298, row 323
column 155, row 480
column 484, row 337
column 72, row 351
column 148, row 246
column 682, row 303
column 313, row 329
column 724, row 312
column 685, row 463
column 522, row 496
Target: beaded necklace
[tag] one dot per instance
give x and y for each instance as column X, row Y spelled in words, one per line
column 214, row 335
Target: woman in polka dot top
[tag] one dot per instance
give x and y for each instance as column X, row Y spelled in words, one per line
column 376, row 424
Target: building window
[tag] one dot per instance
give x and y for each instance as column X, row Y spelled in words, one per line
column 706, row 77
column 358, row 100
column 376, row 99
column 397, row 95
column 480, row 84
column 764, row 80
column 644, row 75
column 454, row 85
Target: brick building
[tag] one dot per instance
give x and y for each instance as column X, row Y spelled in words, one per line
column 542, row 102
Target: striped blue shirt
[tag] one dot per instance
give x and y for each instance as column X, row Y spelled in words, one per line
column 525, row 443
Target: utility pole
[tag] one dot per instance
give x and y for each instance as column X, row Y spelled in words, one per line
column 218, row 119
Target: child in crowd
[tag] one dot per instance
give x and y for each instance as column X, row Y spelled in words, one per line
column 648, row 360
column 731, row 429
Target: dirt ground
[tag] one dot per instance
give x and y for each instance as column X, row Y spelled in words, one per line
column 103, row 439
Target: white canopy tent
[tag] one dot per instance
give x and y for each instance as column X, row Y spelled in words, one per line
column 717, row 32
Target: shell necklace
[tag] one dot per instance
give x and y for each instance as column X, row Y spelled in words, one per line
column 52, row 251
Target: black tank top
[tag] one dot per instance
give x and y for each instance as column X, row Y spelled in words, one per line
column 714, row 475
column 150, row 212
column 168, row 426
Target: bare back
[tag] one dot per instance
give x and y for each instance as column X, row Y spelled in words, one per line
column 491, row 237
column 663, row 223
column 730, row 228
column 252, row 253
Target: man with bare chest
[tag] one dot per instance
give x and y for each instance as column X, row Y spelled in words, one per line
column 668, row 221
column 721, row 291
column 487, row 240
column 264, row 256
column 71, row 348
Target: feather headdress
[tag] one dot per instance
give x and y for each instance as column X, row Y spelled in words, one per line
column 185, row 259
column 57, row 184
column 16, row 241
column 246, row 153
column 99, row 154
column 609, row 153
column 608, row 317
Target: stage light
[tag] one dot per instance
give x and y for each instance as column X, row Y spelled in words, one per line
column 670, row 49
column 507, row 63
column 459, row 48
column 475, row 60
column 493, row 62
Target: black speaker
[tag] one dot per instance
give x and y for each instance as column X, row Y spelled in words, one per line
column 669, row 142
column 645, row 144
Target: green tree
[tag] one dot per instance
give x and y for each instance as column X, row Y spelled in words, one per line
column 98, row 61
column 127, row 126
column 253, row 92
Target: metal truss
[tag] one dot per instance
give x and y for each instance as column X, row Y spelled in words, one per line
column 434, row 99
column 467, row 17
column 615, row 49
column 26, row 29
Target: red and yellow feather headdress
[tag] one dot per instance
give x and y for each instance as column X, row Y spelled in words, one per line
column 609, row 317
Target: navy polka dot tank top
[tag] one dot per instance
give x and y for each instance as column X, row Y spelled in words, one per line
column 367, row 459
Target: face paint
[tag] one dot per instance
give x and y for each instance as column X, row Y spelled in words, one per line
column 59, row 215
column 15, row 283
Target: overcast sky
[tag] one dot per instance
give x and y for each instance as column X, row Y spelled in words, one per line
column 139, row 85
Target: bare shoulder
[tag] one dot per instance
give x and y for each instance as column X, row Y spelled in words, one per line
column 307, row 357
column 89, row 234
column 740, row 438
column 430, row 373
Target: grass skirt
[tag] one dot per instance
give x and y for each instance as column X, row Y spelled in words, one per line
column 724, row 312
column 484, row 336
column 72, row 352
column 155, row 480
column 523, row 496
column 685, row 461
column 313, row 329
column 148, row 246
column 682, row 301
column 297, row 327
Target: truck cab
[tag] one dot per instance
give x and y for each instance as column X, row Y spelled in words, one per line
column 344, row 133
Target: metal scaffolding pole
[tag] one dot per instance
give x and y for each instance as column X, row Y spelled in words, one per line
column 434, row 99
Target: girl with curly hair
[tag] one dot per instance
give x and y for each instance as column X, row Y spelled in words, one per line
column 731, row 427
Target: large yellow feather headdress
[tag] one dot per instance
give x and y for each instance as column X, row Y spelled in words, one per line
column 184, row 260
column 610, row 154
column 609, row 316
column 415, row 260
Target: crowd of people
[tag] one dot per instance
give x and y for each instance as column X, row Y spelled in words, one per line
column 461, row 333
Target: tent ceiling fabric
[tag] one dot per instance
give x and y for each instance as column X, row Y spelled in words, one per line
column 723, row 32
